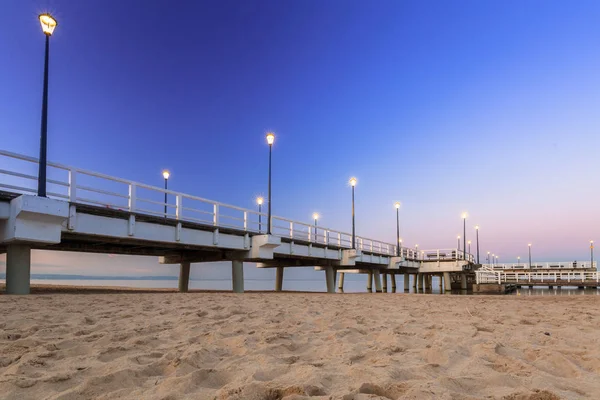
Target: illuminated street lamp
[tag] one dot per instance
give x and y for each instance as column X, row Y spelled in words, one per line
column 166, row 175
column 477, row 241
column 259, row 201
column 529, row 245
column 397, row 205
column 48, row 24
column 488, row 257
column 315, row 217
column 518, row 261
column 592, row 253
column 353, row 184
column 270, row 140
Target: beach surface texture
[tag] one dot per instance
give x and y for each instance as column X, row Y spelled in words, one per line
column 270, row 346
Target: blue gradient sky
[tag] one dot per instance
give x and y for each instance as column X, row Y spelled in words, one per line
column 484, row 106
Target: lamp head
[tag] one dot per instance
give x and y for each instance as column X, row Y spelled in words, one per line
column 166, row 174
column 476, row 227
column 259, row 200
column 270, row 138
column 397, row 204
column 591, row 242
column 458, row 237
column 316, row 216
column 48, row 23
column 468, row 242
column 529, row 245
column 352, row 181
column 464, row 215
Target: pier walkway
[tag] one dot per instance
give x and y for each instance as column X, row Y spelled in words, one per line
column 91, row 212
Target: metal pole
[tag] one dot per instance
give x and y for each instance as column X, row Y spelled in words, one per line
column 166, row 197
column 529, row 257
column 477, row 234
column 464, row 238
column 259, row 218
column 269, row 213
column 353, row 227
column 592, row 254
column 316, row 230
column 44, row 130
column 397, row 231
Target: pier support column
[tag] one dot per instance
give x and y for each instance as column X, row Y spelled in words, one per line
column 441, row 283
column 447, row 282
column 377, row 278
column 463, row 281
column 370, row 282
column 384, row 281
column 420, row 282
column 184, row 276
column 414, row 281
column 393, row 278
column 330, row 279
column 18, row 269
column 237, row 276
column 341, row 283
column 427, row 282
column 406, row 283
column 279, row 279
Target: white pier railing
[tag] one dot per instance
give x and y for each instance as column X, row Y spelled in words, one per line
column 445, row 255
column 18, row 174
column 539, row 277
column 546, row 265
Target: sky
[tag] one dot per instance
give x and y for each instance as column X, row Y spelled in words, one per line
column 489, row 107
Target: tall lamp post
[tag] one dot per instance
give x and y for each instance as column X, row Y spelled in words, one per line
column 316, row 217
column 270, row 140
column 529, row 245
column 464, row 217
column 477, row 241
column 353, row 184
column 488, row 257
column 518, row 261
column 48, row 24
column 496, row 260
column 592, row 253
column 493, row 259
column 166, row 175
column 397, row 205
column 259, row 201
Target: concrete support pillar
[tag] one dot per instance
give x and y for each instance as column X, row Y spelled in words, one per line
column 370, row 281
column 463, row 281
column 447, row 282
column 237, row 276
column 420, row 282
column 384, row 281
column 377, row 278
column 279, row 279
column 330, row 279
column 427, row 282
column 414, row 281
column 406, row 283
column 441, row 283
column 341, row 283
column 18, row 269
column 184, row 276
column 393, row 278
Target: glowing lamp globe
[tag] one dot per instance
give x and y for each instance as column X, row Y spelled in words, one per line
column 48, row 23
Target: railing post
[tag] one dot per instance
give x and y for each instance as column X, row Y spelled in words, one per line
column 327, row 237
column 291, row 230
column 245, row 220
column 309, row 234
column 72, row 185
column 132, row 195
column 216, row 215
column 339, row 239
column 178, row 206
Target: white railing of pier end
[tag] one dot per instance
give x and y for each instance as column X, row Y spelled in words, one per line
column 540, row 277
column 18, row 173
column 547, row 265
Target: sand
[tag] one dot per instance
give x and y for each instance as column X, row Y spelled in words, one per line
column 269, row 346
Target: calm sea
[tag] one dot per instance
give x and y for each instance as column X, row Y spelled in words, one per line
column 355, row 285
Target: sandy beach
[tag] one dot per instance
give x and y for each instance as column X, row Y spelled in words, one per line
column 269, row 346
